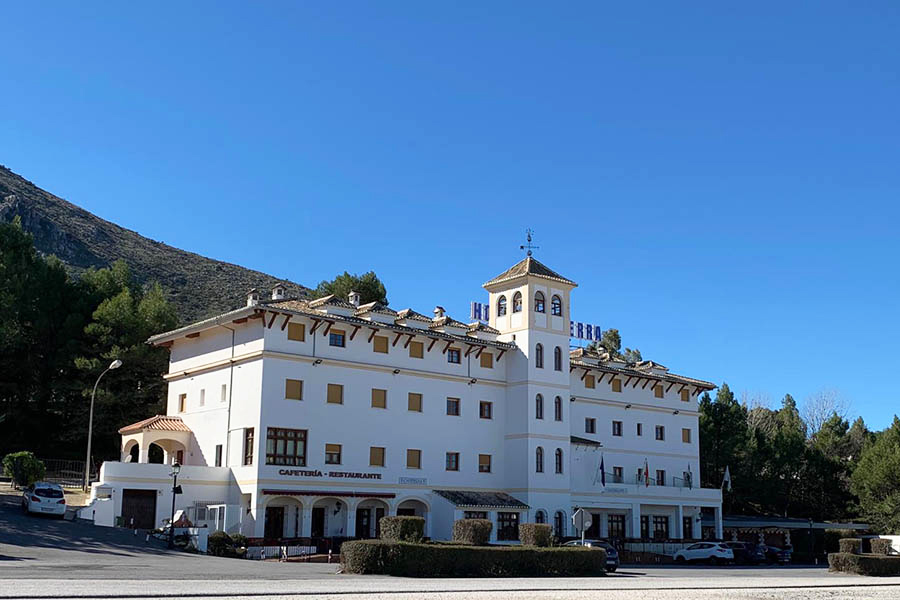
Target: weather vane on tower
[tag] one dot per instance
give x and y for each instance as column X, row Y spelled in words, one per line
column 528, row 245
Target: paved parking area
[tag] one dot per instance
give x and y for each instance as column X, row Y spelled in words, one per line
column 44, row 558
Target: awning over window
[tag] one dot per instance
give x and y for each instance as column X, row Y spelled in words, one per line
column 465, row 499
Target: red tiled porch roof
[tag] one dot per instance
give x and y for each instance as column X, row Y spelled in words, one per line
column 156, row 423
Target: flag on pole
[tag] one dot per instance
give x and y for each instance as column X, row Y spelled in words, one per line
column 646, row 474
column 727, row 478
column 602, row 472
column 690, row 478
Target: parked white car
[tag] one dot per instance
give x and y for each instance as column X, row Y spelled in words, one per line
column 44, row 498
column 711, row 552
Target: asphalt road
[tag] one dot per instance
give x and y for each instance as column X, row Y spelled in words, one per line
column 44, row 558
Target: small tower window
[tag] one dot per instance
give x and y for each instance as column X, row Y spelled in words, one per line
column 517, row 302
column 539, row 302
column 557, row 359
column 539, row 460
column 556, row 306
column 559, row 460
column 539, row 356
column 501, row 306
column 539, row 407
column 557, row 409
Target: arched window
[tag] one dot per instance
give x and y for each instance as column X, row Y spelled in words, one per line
column 539, row 460
column 539, row 356
column 559, row 460
column 501, row 306
column 539, row 302
column 559, row 523
column 538, row 407
column 556, row 306
column 517, row 302
column 557, row 409
column 557, row 359
column 540, row 517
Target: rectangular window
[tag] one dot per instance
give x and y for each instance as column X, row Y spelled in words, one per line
column 335, row 393
column 337, row 337
column 414, row 402
column 615, row 525
column 658, row 391
column 617, row 385
column 453, row 407
column 660, row 433
column 416, row 350
column 248, row 446
column 379, row 398
column 686, row 436
column 484, row 463
column 617, row 428
column 507, row 526
column 203, row 397
column 487, row 360
column 590, row 425
column 618, row 474
column 380, row 344
column 413, row 459
column 224, row 392
column 475, row 514
column 218, row 455
column 486, row 410
column 660, row 527
column 376, row 456
column 297, row 332
column 182, row 402
column 286, row 447
column 332, row 454
column 660, row 477
column 640, row 429
column 453, row 356
column 685, row 395
column 589, row 382
column 452, row 461
column 293, row 389
column 645, row 527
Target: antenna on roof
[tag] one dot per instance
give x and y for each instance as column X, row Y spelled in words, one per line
column 528, row 236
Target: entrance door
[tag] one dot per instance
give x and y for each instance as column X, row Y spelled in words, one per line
column 593, row 532
column 318, row 522
column 139, row 508
column 379, row 512
column 687, row 528
column 363, row 523
column 274, row 522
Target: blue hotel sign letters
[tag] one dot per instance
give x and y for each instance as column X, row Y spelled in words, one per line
column 577, row 330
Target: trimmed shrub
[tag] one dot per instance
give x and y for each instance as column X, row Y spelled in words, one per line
column 880, row 546
column 402, row 529
column 864, row 564
column 850, row 545
column 23, row 468
column 450, row 560
column 219, row 544
column 472, row 532
column 535, row 534
column 239, row 541
column 833, row 535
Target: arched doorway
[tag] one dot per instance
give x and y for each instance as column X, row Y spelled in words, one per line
column 155, row 454
column 283, row 518
column 368, row 518
column 329, row 518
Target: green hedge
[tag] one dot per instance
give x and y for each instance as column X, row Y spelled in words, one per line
column 535, row 534
column 448, row 560
column 472, row 532
column 864, row 564
column 880, row 546
column 23, row 468
column 222, row 544
column 850, row 545
column 402, row 529
column 832, row 536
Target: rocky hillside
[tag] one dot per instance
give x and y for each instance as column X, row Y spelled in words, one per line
column 198, row 286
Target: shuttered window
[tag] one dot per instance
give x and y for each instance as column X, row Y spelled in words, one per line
column 380, row 344
column 297, row 332
column 376, row 456
column 293, row 389
column 589, row 382
column 413, row 459
column 487, row 360
column 379, row 398
column 335, row 393
column 416, row 350
column 415, row 402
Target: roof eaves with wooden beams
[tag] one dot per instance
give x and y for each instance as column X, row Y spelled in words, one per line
column 529, row 266
column 635, row 374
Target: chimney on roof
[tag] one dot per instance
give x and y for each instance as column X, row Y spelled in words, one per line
column 439, row 312
column 278, row 291
column 354, row 298
column 253, row 297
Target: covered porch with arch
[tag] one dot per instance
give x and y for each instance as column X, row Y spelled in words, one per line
column 323, row 514
column 168, row 434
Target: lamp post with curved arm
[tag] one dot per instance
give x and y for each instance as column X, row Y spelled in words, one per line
column 87, row 462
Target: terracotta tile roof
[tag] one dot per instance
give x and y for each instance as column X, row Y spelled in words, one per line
column 408, row 313
column 627, row 371
column 529, row 266
column 479, row 326
column 446, row 321
column 156, row 423
column 375, row 307
column 481, row 499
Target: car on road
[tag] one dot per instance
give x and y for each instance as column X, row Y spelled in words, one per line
column 44, row 498
column 612, row 555
column 747, row 553
column 714, row 553
column 777, row 556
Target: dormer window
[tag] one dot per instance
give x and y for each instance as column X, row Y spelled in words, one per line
column 501, row 306
column 539, row 302
column 556, row 306
column 517, row 302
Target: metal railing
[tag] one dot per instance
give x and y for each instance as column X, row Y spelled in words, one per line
column 67, row 473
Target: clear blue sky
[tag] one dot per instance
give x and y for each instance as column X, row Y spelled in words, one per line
column 720, row 178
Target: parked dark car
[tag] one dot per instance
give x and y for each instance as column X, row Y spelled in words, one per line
column 777, row 556
column 746, row 553
column 612, row 555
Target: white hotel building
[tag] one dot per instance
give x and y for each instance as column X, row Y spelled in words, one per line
column 297, row 418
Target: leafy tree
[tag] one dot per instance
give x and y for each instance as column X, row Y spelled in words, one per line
column 876, row 480
column 611, row 342
column 723, row 436
column 369, row 287
column 632, row 356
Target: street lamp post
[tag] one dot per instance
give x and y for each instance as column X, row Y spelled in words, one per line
column 87, row 461
column 176, row 468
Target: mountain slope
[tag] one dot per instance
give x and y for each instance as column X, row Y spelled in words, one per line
column 198, row 286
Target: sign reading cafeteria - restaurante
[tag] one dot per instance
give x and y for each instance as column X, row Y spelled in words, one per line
column 317, row 473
